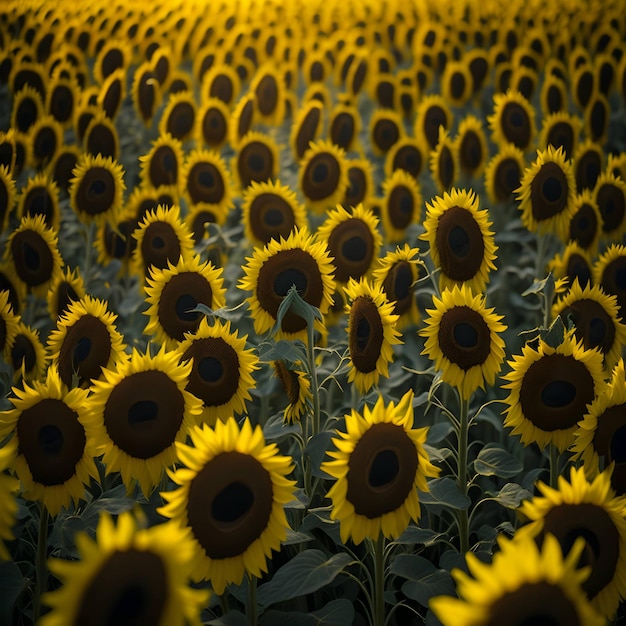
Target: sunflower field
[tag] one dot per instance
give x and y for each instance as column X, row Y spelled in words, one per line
column 312, row 312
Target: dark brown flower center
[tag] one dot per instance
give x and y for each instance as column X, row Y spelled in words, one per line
column 144, row 413
column 410, row 159
column 583, row 226
column 52, row 441
column 357, row 186
column 267, row 94
column 289, row 380
column 534, row 604
column 307, row 130
column 159, row 245
column 112, row 98
column 381, row 470
column 270, row 217
column 62, row 103
column 245, row 118
column 215, row 374
column 506, row 179
column 587, row 168
column 229, row 504
column 366, row 334
column 471, row 152
column 555, row 392
column 96, row 191
column 39, row 201
column 342, row 129
column 385, row 134
column 32, row 257
column 64, row 163
column 515, row 125
column 101, row 139
column 594, row 326
column 398, row 286
column 214, row 127
column 460, row 244
column 351, row 244
column 255, row 163
column 279, row 273
column 568, row 522
column 146, row 95
column 562, row 135
column 401, row 207
column 321, row 176
column 205, row 183
column 130, row 587
column 434, row 117
column 181, row 120
column 549, row 192
column 609, row 442
column 23, row 353
column 612, row 205
column 464, row 337
column 222, row 87
column 45, row 144
column 163, row 168
column 613, row 281
column 446, row 169
column 578, row 268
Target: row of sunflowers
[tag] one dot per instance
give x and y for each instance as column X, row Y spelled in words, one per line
column 312, row 312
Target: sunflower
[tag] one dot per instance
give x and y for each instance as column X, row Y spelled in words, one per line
column 353, row 241
column 163, row 163
column 25, row 353
column 299, row 260
column 206, row 178
column 221, row 81
column 146, row 93
column 408, row 154
column 573, row 265
column 598, row 439
column 270, row 211
column 597, row 117
column 40, row 196
column 547, row 192
column 27, row 108
column 45, row 138
column 323, row 177
column 85, row 341
column 231, row 496
column 609, row 194
column 379, row 463
column 588, row 164
column 432, row 112
column 461, row 243
column 61, row 168
column 560, row 130
column 397, row 273
column 136, row 414
column 268, row 86
column 296, row 384
column 344, row 126
column 385, row 129
column 222, row 370
column 113, row 93
column 257, row 160
column 524, row 584
column 54, row 459
column 62, row 95
column 9, row 485
column 361, row 187
column 213, row 123
column 591, row 510
column 463, row 341
column 550, row 389
column 456, row 82
column 101, row 137
column 553, row 95
column 126, row 573
column 115, row 54
column 306, row 127
column 513, row 120
column 7, row 196
column 97, row 189
column 33, row 255
column 241, row 119
column 401, row 204
column 585, row 223
column 162, row 238
column 444, row 161
column 173, row 292
column 609, row 272
column 471, row 146
column 372, row 333
column 179, row 116
column 9, row 321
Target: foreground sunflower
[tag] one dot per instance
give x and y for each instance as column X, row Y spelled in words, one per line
column 550, row 389
column 461, row 243
column 523, row 585
column 232, row 492
column 128, row 574
column 462, row 338
column 371, row 333
column 137, row 413
column 85, row 341
column 590, row 510
column 380, row 464
column 173, row 293
column 221, row 371
column 54, row 458
column 270, row 272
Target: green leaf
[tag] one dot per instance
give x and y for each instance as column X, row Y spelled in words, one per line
column 307, row 572
column 411, row 566
column 423, row 536
column 292, row 352
column 335, row 613
column 554, row 335
column 494, row 460
column 544, row 286
column 511, row 495
column 439, row 583
column 444, row 492
column 294, row 303
column 276, row 429
column 316, row 451
column 232, row 618
column 12, row 583
column 319, row 519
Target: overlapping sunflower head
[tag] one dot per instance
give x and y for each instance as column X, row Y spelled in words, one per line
column 379, row 463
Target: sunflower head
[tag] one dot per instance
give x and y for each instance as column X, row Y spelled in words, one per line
column 206, row 178
column 504, row 173
column 379, row 464
column 297, row 385
column 513, row 120
column 609, row 272
column 257, row 160
column 163, row 163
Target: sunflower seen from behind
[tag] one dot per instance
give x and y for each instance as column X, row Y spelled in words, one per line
column 231, row 494
column 589, row 509
column 461, row 242
column 137, row 413
column 463, row 340
column 55, row 455
column 126, row 572
column 523, row 585
column 379, row 463
column 270, row 272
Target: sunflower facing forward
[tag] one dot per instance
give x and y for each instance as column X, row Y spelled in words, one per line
column 379, row 463
column 462, row 338
column 590, row 510
column 231, row 496
column 138, row 412
column 54, row 452
column 523, row 585
column 299, row 260
column 126, row 573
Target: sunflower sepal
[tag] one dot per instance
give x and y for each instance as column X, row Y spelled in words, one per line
column 297, row 305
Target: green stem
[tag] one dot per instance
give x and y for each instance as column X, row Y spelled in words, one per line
column 554, row 466
column 310, row 353
column 252, row 607
column 89, row 239
column 42, row 555
column 463, row 519
column 379, row 581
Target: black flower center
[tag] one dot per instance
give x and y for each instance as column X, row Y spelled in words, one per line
column 464, row 337
column 548, row 192
column 205, row 183
column 506, row 179
column 342, row 129
column 366, row 334
column 612, row 204
column 351, row 244
column 159, row 245
column 401, row 207
column 32, row 257
column 255, row 163
column 163, row 168
column 515, row 125
column 270, row 217
column 594, row 326
column 96, row 191
column 321, row 176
